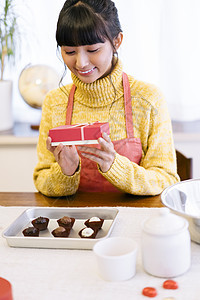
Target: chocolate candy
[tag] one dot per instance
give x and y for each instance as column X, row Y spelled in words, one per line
column 40, row 223
column 66, row 222
column 61, row 232
column 88, row 233
column 94, row 223
column 31, row 231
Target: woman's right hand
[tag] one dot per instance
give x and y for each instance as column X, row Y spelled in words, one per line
column 66, row 156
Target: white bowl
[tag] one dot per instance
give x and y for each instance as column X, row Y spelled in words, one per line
column 183, row 198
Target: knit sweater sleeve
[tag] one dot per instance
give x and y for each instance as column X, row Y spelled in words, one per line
column 157, row 168
column 48, row 176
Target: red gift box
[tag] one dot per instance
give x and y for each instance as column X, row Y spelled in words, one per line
column 78, row 134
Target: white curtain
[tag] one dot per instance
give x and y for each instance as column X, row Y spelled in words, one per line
column 161, row 46
column 180, row 57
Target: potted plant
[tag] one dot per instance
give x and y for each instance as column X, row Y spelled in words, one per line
column 8, row 40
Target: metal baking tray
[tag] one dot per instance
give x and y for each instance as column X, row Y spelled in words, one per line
column 15, row 237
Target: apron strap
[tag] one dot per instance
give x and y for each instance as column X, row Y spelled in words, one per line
column 127, row 105
column 70, row 105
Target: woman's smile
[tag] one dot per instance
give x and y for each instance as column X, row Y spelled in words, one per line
column 87, row 72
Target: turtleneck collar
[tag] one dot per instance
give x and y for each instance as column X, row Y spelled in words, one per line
column 101, row 92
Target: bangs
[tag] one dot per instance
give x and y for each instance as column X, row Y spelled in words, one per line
column 79, row 26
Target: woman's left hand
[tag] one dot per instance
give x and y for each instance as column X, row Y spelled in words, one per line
column 104, row 156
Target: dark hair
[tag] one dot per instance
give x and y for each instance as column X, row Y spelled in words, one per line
column 87, row 22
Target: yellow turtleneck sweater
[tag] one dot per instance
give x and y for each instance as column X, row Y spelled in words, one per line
column 99, row 101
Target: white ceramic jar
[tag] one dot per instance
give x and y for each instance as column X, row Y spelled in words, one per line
column 166, row 245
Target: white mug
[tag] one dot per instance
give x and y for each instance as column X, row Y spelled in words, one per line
column 116, row 258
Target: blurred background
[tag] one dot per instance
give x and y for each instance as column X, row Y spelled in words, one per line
column 161, row 46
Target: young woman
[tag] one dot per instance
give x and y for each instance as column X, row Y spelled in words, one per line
column 139, row 156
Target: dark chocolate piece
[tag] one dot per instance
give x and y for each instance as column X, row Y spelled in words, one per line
column 40, row 223
column 31, row 231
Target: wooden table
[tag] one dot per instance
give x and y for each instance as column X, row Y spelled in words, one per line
column 79, row 200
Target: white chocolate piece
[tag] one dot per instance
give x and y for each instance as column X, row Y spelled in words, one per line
column 94, row 219
column 86, row 232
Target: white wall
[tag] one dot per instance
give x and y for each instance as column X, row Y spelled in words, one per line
column 17, row 160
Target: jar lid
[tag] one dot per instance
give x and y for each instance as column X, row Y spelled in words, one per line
column 165, row 223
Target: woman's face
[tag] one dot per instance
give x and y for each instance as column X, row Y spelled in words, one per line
column 89, row 62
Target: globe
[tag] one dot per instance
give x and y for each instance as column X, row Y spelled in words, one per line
column 35, row 81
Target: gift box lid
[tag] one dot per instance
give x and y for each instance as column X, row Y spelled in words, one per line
column 78, row 132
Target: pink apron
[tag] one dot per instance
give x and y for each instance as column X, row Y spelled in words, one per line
column 91, row 180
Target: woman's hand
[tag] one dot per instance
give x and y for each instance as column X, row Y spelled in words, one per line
column 66, row 156
column 104, row 156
